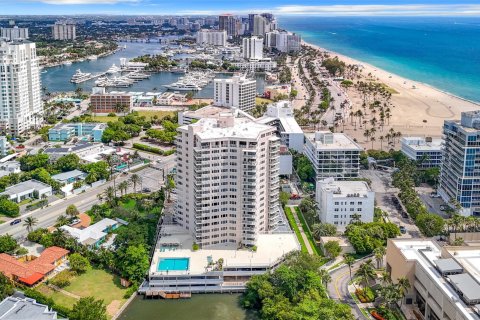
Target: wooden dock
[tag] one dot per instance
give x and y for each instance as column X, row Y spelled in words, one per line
column 163, row 295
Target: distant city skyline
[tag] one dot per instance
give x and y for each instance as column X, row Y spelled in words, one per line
column 214, row 7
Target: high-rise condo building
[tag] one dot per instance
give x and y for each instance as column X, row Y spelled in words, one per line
column 14, row 33
column 212, row 37
column 252, row 48
column 460, row 172
column 229, row 23
column 333, row 155
column 64, row 31
column 227, row 180
column 20, row 99
column 283, row 41
column 236, row 92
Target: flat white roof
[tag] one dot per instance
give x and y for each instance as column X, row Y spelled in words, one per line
column 270, row 249
column 344, row 188
column 338, row 141
column 420, row 144
column 95, row 231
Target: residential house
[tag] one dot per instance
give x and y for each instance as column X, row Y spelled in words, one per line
column 94, row 235
column 30, row 189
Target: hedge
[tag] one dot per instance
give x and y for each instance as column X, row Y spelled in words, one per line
column 293, row 225
column 41, row 298
column 306, row 229
column 144, row 147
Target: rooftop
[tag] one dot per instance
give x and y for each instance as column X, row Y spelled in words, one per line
column 206, row 112
column 282, row 111
column 270, row 249
column 94, row 232
column 68, row 175
column 344, row 188
column 326, row 140
column 419, row 143
column 12, row 308
column 25, row 186
column 227, row 126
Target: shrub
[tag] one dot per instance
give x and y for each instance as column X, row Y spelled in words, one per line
column 62, row 279
column 195, row 246
column 144, row 147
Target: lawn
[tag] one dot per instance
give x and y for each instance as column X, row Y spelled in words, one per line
column 147, row 113
column 293, row 225
column 130, row 204
column 59, row 298
column 306, row 229
column 262, row 100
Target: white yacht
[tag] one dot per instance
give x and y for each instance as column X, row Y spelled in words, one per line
column 113, row 69
column 183, row 86
column 80, row 76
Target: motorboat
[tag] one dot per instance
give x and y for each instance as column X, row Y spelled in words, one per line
column 113, row 69
column 182, row 86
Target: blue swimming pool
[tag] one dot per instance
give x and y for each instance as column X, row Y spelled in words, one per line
column 173, row 264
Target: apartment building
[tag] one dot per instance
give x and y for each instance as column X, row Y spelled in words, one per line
column 20, row 98
column 103, row 102
column 14, row 33
column 64, row 31
column 235, row 92
column 253, row 65
column 212, row 37
column 340, row 201
column 230, row 23
column 333, row 154
column 427, row 152
column 280, row 115
column 459, row 173
column 81, row 130
column 444, row 280
column 252, row 48
column 283, row 41
column 227, row 180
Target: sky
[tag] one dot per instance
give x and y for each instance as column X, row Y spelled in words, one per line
column 279, row 7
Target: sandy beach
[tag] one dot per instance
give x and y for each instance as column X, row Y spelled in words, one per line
column 418, row 109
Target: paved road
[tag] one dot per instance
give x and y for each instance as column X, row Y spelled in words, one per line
column 151, row 178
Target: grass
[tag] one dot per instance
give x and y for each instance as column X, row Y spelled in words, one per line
column 59, row 298
column 147, row 113
column 306, row 229
column 130, row 204
column 293, row 225
column 262, row 100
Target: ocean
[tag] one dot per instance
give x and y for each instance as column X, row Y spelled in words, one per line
column 442, row 52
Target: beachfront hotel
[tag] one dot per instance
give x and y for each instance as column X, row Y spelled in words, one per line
column 427, row 152
column 339, row 201
column 444, row 280
column 227, row 180
column 235, row 92
column 20, row 100
column 212, row 37
column 333, row 155
column 459, row 170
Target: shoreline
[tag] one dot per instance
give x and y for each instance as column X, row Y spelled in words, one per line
column 365, row 64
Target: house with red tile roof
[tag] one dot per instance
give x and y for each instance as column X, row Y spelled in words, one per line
column 33, row 271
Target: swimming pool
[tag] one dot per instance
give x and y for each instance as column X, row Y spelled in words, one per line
column 173, row 264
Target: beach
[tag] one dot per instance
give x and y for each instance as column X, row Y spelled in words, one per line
column 418, row 109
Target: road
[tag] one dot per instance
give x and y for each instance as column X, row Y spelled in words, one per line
column 338, row 288
column 151, row 178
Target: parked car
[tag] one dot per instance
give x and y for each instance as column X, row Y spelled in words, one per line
column 16, row 221
column 147, row 190
column 295, row 197
column 403, row 230
column 434, row 195
column 443, row 207
column 74, row 222
column 404, row 214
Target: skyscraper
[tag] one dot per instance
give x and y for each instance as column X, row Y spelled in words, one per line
column 64, row 31
column 460, row 172
column 252, row 48
column 14, row 33
column 20, row 100
column 236, row 92
column 212, row 37
column 227, row 180
column 229, row 23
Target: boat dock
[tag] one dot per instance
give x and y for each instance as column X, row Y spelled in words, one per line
column 93, row 76
column 162, row 294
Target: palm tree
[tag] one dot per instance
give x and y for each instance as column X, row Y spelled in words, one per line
column 109, row 195
column 372, row 139
column 30, row 222
column 349, row 261
column 123, row 187
column 403, row 285
column 135, row 179
column 61, row 221
column 111, row 162
column 366, row 272
column 381, row 138
column 325, row 277
column 379, row 253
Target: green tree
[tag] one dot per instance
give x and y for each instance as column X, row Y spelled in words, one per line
column 61, row 221
column 9, row 208
column 284, row 197
column 332, row 249
column 6, row 286
column 88, row 309
column 72, row 211
column 349, row 261
column 32, row 162
column 7, row 244
column 78, row 263
column 366, row 272
column 323, row 230
column 135, row 179
column 30, row 222
column 68, row 162
column 133, row 263
column 430, row 224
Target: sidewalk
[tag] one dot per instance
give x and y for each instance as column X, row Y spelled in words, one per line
column 302, row 233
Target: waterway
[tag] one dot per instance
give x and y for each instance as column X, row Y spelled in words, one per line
column 57, row 79
column 199, row 307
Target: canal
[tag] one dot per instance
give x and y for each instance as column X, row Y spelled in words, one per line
column 199, row 307
column 57, row 79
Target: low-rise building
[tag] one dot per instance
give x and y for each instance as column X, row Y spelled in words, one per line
column 32, row 271
column 444, row 281
column 190, row 116
column 82, row 149
column 427, row 152
column 84, row 131
column 30, row 189
column 168, row 98
column 13, row 308
column 103, row 102
column 93, row 236
column 69, row 176
column 278, row 90
column 9, row 167
column 333, row 155
column 260, row 64
column 280, row 115
column 341, row 201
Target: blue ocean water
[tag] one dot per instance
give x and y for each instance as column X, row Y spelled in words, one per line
column 442, row 52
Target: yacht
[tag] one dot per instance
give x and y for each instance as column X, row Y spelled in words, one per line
column 92, row 57
column 178, row 70
column 80, row 76
column 67, row 63
column 113, row 69
column 183, row 86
